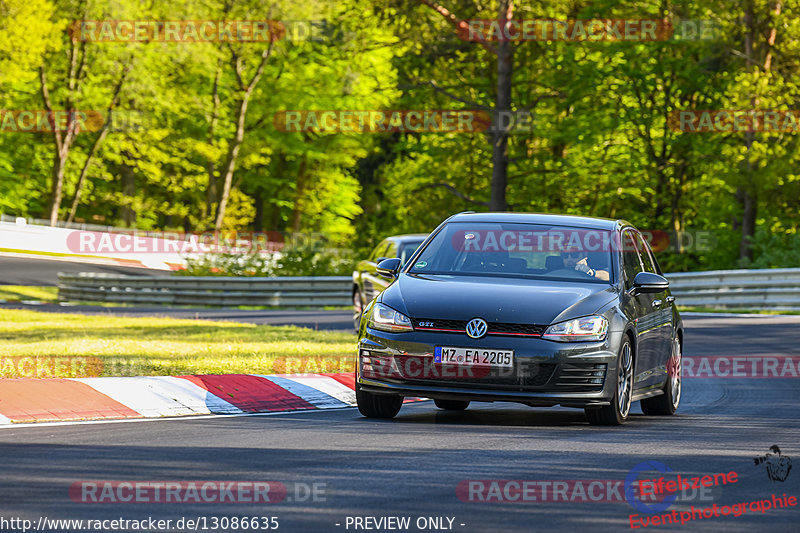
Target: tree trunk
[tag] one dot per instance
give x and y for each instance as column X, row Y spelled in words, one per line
column 258, row 220
column 505, row 53
column 230, row 161
column 98, row 141
column 749, row 212
column 57, row 186
column 128, row 179
column 236, row 143
column 747, row 193
column 211, row 190
column 76, row 200
column 297, row 214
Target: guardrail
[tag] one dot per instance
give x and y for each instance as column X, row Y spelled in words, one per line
column 743, row 289
column 775, row 288
column 214, row 291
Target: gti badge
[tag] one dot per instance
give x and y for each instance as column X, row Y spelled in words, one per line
column 476, row 328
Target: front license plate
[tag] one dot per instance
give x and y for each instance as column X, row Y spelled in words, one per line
column 473, row 356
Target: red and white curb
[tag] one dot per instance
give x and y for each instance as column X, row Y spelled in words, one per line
column 58, row 400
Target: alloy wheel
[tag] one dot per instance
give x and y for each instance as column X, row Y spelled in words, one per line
column 675, row 368
column 625, row 380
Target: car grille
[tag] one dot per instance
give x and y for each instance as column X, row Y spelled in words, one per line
column 495, row 328
column 526, row 375
column 581, row 376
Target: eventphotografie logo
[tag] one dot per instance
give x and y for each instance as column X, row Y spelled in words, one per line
column 661, row 486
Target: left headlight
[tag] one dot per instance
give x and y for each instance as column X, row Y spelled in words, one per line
column 588, row 328
column 384, row 318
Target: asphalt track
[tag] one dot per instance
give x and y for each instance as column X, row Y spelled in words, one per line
column 411, row 466
column 44, row 272
column 313, row 319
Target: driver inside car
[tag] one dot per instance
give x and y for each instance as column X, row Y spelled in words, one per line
column 575, row 259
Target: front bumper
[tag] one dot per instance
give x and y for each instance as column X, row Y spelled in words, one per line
column 544, row 373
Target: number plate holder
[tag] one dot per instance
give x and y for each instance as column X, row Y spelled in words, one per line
column 482, row 357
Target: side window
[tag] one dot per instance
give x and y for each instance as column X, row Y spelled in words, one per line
column 406, row 250
column 644, row 252
column 379, row 251
column 391, row 250
column 631, row 265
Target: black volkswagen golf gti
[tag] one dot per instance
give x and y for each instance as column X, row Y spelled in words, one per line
column 538, row 309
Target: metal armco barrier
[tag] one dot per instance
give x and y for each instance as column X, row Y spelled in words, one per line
column 212, row 291
column 742, row 289
column 774, row 288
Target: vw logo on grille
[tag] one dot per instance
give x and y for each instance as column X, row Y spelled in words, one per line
column 476, row 328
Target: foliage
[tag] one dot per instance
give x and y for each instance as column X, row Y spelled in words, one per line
column 312, row 260
column 602, row 143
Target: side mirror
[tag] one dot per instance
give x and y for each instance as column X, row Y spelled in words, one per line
column 389, row 267
column 647, row 283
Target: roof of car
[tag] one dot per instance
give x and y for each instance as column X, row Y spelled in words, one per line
column 409, row 237
column 539, row 218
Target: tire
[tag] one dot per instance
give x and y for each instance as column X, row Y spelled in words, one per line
column 617, row 413
column 666, row 404
column 452, row 405
column 358, row 309
column 377, row 405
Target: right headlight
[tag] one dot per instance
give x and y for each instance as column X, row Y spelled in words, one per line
column 384, row 318
column 588, row 328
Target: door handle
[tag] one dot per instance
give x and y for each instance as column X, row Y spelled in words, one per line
column 656, row 303
column 670, row 299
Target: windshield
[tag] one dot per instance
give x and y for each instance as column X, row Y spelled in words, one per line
column 519, row 250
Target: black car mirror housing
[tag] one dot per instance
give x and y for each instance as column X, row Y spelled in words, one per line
column 389, row 267
column 648, row 283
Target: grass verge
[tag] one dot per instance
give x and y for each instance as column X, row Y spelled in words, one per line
column 34, row 344
column 23, row 292
column 736, row 311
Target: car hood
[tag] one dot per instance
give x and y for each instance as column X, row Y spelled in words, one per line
column 495, row 299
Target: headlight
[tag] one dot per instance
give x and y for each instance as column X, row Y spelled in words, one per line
column 384, row 318
column 588, row 328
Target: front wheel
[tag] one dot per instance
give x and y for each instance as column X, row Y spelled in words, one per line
column 452, row 405
column 667, row 403
column 377, row 405
column 617, row 413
